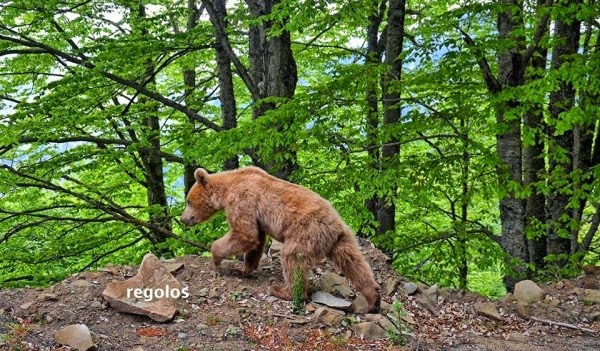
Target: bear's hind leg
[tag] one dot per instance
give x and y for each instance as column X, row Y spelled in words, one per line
column 295, row 265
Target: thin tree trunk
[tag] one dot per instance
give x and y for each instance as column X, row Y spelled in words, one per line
column 226, row 94
column 153, row 163
column 567, row 31
column 373, row 58
column 534, row 166
column 189, row 82
column 463, row 267
column 386, row 212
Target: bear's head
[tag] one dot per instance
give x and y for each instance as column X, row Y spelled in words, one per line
column 200, row 205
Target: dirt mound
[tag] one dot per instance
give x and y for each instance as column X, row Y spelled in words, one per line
column 230, row 313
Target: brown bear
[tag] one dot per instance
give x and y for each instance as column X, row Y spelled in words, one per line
column 256, row 203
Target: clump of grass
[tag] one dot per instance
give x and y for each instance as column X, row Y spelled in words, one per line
column 298, row 288
column 398, row 334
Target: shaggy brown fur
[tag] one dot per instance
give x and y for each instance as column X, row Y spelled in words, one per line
column 308, row 226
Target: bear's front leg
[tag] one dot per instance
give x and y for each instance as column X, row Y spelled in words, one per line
column 252, row 257
column 219, row 251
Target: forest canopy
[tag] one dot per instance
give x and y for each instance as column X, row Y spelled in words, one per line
column 461, row 137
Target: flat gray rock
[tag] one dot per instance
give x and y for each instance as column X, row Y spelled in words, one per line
column 330, row 300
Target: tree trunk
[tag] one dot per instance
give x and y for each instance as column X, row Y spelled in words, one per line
column 534, row 166
column 567, row 31
column 386, row 211
column 511, row 71
column 152, row 161
column 226, row 94
column 189, row 82
column 373, row 58
column 273, row 68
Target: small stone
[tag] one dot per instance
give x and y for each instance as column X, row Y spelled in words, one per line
column 385, row 307
column 330, row 300
column 432, row 292
column 591, row 296
column 97, row 304
column 522, row 310
column 409, row 319
column 328, row 316
column 421, row 287
column 425, row 301
column 518, row 337
column 77, row 336
column 507, row 298
column 387, row 325
column 390, row 285
column 335, row 283
column 213, row 293
column 370, row 331
column 360, row 305
column 182, row 336
column 551, row 301
column 488, row 310
column 559, row 285
column 203, row 292
column 80, row 283
column 444, row 293
column 528, row 291
column 173, row 267
column 410, row 288
column 47, row 297
column 26, row 305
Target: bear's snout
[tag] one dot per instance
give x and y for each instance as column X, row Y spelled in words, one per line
column 188, row 220
column 188, row 216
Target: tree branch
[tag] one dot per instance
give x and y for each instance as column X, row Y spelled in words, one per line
column 491, row 81
column 541, row 28
column 27, row 42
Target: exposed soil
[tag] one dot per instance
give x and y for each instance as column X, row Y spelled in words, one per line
column 230, row 313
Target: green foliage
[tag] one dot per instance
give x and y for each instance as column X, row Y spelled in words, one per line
column 397, row 335
column 79, row 86
column 298, row 289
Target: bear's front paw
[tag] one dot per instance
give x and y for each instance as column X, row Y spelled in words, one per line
column 242, row 273
column 281, row 292
column 217, row 272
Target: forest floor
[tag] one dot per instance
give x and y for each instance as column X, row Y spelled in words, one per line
column 230, row 313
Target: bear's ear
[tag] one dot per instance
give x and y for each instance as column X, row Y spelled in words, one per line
column 201, row 176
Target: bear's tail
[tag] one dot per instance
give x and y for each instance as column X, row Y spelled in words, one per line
column 347, row 258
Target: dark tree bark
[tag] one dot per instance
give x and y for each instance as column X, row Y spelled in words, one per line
column 189, row 81
column 226, row 94
column 586, row 146
column 273, row 69
column 511, row 72
column 534, row 165
column 153, row 162
column 373, row 57
column 386, row 211
column 567, row 33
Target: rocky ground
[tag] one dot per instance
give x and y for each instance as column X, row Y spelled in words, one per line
column 229, row 313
